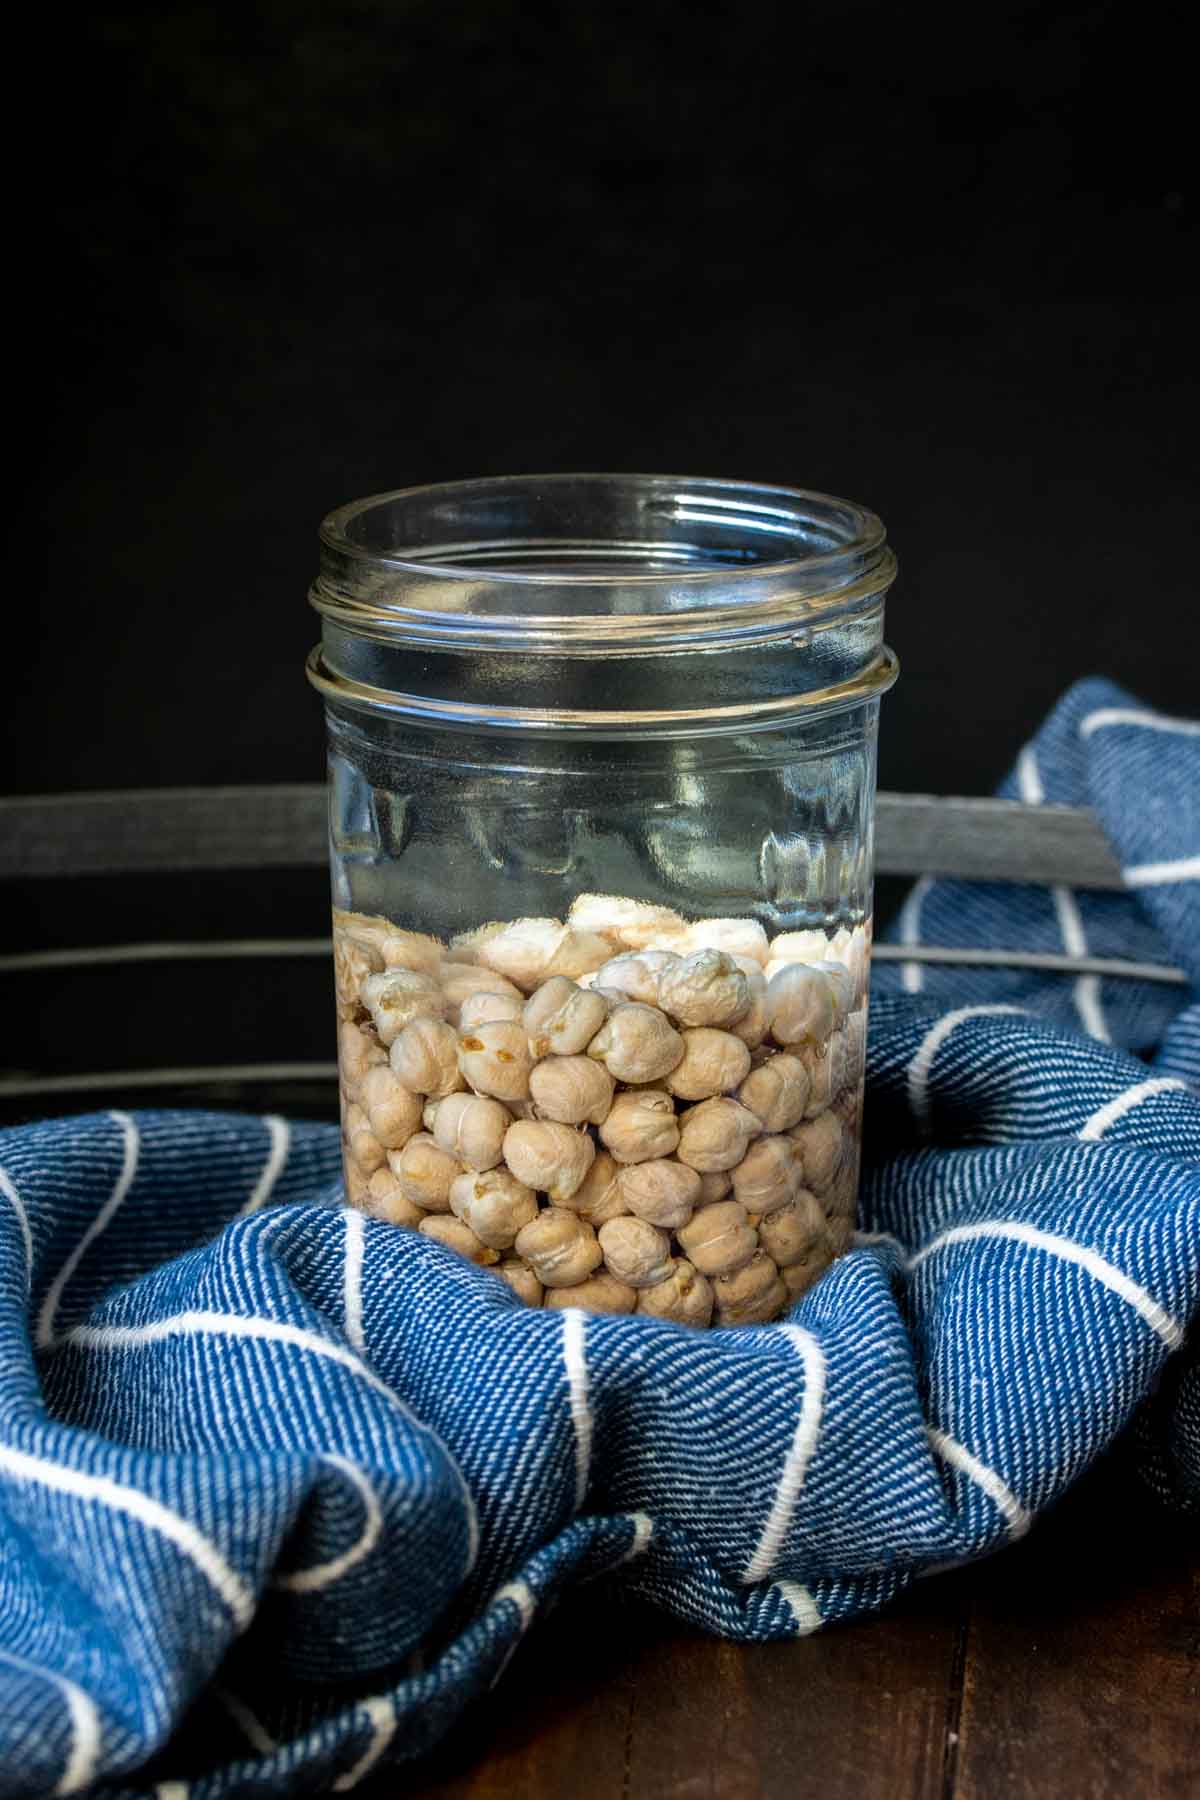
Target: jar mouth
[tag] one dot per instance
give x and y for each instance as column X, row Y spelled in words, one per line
column 592, row 557
column 693, row 526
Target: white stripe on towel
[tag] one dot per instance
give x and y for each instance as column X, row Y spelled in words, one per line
column 920, row 1067
column 281, row 1136
column 1112, row 1110
column 575, row 1359
column 1162, row 874
column 322, row 1575
column 799, row 1456
column 79, row 1770
column 130, row 1144
column 1125, row 715
column 1144, row 1304
column 132, row 1503
column 997, row 1491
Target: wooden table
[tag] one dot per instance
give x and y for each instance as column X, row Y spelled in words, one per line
column 1067, row 1667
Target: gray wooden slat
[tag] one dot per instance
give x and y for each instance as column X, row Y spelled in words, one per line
column 992, row 840
column 161, row 830
column 120, row 1080
column 1045, row 962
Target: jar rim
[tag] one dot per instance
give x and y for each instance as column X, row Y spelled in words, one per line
column 595, row 562
column 850, row 531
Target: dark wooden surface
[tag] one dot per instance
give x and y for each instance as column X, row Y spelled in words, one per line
column 1066, row 1668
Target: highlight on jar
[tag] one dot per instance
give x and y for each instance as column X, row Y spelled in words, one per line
column 623, row 1110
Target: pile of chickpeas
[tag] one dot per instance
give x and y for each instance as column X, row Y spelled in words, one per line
column 624, row 1111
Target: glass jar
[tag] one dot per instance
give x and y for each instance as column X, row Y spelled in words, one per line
column 601, row 777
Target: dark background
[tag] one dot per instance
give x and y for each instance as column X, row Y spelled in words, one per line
column 297, row 253
column 283, row 255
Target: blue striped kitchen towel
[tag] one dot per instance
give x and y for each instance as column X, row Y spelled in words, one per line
column 281, row 1487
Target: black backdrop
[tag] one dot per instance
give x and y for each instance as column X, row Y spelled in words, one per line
column 286, row 254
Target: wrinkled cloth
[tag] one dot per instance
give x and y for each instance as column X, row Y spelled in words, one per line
column 282, row 1487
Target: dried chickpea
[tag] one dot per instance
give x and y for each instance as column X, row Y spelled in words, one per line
column 457, row 1236
column 808, row 1268
column 636, row 975
column 521, row 1279
column 713, row 1062
column 394, row 1113
column 685, row 1296
column 752, row 1294
column 385, row 1200
column 838, row 977
column 800, row 1005
column 461, row 982
column 629, row 923
column 425, row 1172
column 572, row 1089
column 353, row 961
column 635, row 1251
column 718, row 1238
column 411, row 950
column 855, row 1030
column 601, row 1292
column 551, row 1158
column 795, row 1233
column 465, row 946
column 354, row 1119
column 471, row 1127
column 637, row 1043
column 494, row 1204
column 797, row 947
column 705, row 988
column 767, row 1177
column 365, row 1147
column 714, row 1134
column 560, row 1247
column 852, row 948
column 663, row 1192
column 527, row 951
column 598, row 1197
column 821, row 1069
column 818, row 1147
column 392, row 947
column 736, row 937
column 478, row 1009
column 397, row 996
column 495, row 1059
column 368, row 929
column 358, row 1051
column 641, row 1125
column 715, row 1184
column 425, row 1058
column 776, row 1092
column 561, row 1018
column 752, row 1027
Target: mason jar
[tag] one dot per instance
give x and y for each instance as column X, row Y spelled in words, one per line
column 601, row 784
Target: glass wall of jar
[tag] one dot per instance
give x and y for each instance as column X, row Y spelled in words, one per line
column 601, row 774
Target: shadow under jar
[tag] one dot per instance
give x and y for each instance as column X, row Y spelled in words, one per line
column 601, row 777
